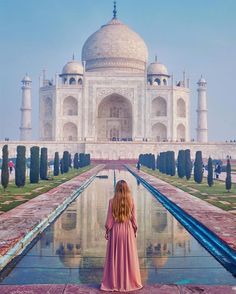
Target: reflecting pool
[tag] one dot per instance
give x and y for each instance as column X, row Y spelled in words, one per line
column 72, row 249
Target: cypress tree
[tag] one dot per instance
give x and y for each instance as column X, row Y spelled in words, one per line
column 181, row 164
column 168, row 162
column 44, row 164
column 161, row 162
column 228, row 182
column 198, row 167
column 34, row 164
column 158, row 162
column 153, row 162
column 20, row 168
column 56, row 164
column 62, row 166
column 188, row 164
column 81, row 160
column 210, row 172
column 76, row 161
column 172, row 163
column 5, row 170
column 140, row 159
column 66, row 161
column 70, row 161
column 164, row 162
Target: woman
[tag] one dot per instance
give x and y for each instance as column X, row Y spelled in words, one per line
column 121, row 271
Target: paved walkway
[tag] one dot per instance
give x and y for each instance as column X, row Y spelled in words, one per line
column 221, row 222
column 20, row 222
column 78, row 289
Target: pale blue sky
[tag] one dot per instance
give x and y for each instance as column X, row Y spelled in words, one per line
column 198, row 36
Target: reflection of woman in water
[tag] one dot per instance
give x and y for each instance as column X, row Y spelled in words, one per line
column 121, row 270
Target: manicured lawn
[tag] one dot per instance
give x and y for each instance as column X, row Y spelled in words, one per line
column 216, row 195
column 14, row 196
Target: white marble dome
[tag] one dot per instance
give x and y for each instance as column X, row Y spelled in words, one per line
column 156, row 68
column 115, row 47
column 72, row 67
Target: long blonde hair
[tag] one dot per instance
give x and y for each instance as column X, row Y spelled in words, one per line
column 122, row 202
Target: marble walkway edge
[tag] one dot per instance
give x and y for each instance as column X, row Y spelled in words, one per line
column 220, row 222
column 147, row 289
column 19, row 226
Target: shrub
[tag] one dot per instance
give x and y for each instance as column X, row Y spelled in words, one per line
column 34, row 164
column 5, row 170
column 20, row 166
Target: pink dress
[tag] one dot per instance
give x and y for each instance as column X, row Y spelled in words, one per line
column 121, row 270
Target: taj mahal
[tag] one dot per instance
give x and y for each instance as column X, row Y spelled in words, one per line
column 115, row 104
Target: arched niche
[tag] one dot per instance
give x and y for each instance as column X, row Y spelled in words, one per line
column 159, row 132
column 159, row 107
column 181, row 108
column 114, row 118
column 70, row 106
column 70, row 132
column 181, row 133
column 72, row 81
column 47, row 131
column 157, row 82
column 48, row 107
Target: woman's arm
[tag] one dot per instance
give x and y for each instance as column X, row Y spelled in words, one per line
column 109, row 220
column 133, row 219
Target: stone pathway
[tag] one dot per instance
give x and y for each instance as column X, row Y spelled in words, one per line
column 221, row 222
column 85, row 289
column 19, row 222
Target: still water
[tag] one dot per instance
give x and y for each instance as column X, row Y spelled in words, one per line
column 72, row 249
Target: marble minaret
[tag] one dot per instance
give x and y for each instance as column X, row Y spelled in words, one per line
column 26, row 109
column 202, row 129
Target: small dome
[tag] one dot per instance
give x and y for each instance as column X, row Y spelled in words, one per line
column 156, row 68
column 202, row 80
column 26, row 78
column 115, row 47
column 72, row 67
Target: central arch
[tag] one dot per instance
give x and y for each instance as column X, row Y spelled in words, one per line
column 114, row 120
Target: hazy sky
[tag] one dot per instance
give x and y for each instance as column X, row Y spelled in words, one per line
column 198, row 36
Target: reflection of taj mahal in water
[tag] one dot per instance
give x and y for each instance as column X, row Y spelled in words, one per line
column 78, row 235
column 114, row 95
